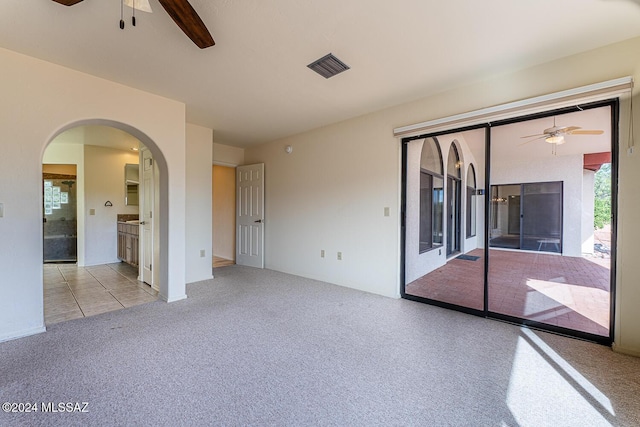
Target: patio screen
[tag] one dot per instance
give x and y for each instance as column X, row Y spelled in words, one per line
column 527, row 216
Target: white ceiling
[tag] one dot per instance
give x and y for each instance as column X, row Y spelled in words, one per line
column 254, row 86
column 507, row 141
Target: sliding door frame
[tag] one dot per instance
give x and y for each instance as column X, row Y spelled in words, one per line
column 403, row 221
column 614, row 104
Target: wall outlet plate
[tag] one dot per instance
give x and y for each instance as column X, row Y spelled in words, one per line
column 339, row 256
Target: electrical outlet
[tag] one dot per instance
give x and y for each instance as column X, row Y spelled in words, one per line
column 202, row 252
column 386, row 211
column 1, row 210
column 92, row 211
column 322, row 253
column 339, row 256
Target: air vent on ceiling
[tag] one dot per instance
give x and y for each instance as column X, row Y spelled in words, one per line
column 328, row 66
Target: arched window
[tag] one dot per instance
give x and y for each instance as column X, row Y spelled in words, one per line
column 471, row 201
column 453, row 162
column 431, row 195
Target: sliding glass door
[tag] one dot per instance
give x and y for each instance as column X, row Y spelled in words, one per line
column 444, row 264
column 544, row 268
column 527, row 216
column 533, row 245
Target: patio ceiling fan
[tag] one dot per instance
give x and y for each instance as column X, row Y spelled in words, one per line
column 181, row 11
column 555, row 134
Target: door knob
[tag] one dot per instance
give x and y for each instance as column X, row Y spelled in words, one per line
column 259, row 221
column 142, row 223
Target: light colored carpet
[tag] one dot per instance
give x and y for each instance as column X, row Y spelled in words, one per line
column 257, row 347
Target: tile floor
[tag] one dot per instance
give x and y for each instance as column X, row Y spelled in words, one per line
column 570, row 292
column 71, row 292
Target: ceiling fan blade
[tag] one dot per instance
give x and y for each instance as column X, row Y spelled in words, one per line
column 586, row 132
column 537, row 134
column 67, row 2
column 569, row 129
column 534, row 139
column 185, row 16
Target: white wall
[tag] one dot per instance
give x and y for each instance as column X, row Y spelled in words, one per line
column 330, row 194
column 199, row 198
column 225, row 155
column 104, row 181
column 40, row 100
column 61, row 153
column 331, row 191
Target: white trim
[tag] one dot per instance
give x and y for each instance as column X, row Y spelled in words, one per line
column 23, row 333
column 225, row 164
column 173, row 299
column 566, row 98
column 624, row 350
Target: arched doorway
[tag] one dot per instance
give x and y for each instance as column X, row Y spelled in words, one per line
column 454, row 179
column 106, row 146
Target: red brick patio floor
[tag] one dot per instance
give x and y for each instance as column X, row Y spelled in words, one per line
column 570, row 292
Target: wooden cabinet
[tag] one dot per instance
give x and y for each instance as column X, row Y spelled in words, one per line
column 128, row 243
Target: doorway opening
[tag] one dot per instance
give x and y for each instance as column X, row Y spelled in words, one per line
column 111, row 204
column 60, row 224
column 224, row 215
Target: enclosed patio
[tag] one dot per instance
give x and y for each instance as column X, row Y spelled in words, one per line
column 569, row 292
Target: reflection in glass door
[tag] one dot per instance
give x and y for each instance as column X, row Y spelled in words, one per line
column 443, row 264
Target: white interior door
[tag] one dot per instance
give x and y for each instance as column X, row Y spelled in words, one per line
column 146, row 223
column 250, row 215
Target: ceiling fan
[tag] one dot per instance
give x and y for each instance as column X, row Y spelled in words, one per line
column 555, row 135
column 182, row 13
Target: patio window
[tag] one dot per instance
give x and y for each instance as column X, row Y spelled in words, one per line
column 528, row 216
column 471, row 201
column 431, row 196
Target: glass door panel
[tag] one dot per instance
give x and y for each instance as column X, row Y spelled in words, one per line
column 544, row 266
column 59, row 213
column 444, row 230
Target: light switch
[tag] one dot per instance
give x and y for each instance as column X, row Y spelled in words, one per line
column 1, row 210
column 386, row 211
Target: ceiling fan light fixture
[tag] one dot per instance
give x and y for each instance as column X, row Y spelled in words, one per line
column 555, row 139
column 141, row 5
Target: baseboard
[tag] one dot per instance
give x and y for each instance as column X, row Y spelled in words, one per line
column 201, row 280
column 174, row 299
column 24, row 333
column 627, row 351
